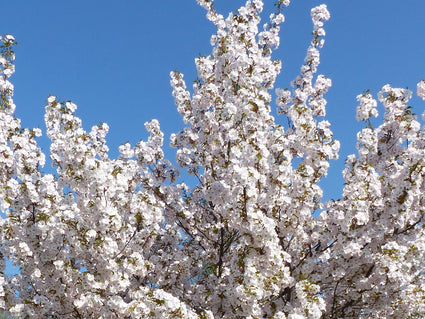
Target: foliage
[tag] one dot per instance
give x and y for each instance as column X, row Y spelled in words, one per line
column 120, row 238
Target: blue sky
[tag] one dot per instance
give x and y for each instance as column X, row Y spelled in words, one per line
column 113, row 58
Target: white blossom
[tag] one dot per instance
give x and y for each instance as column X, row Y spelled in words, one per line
column 421, row 89
column 125, row 238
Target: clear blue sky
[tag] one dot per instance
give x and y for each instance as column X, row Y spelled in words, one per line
column 113, row 58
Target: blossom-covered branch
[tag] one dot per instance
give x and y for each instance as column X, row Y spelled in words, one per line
column 122, row 238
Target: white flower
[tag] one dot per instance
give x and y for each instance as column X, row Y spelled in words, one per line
column 9, row 37
column 421, row 89
column 126, row 150
column 37, row 132
column 25, row 249
column 91, row 233
column 37, row 273
column 71, row 106
column 367, row 107
column 233, row 134
column 51, row 99
column 17, row 309
column 258, row 5
column 58, row 264
column 320, row 13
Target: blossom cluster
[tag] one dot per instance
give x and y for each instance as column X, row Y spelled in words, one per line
column 376, row 230
column 121, row 238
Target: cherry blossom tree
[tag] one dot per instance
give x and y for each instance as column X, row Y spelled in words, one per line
column 124, row 238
